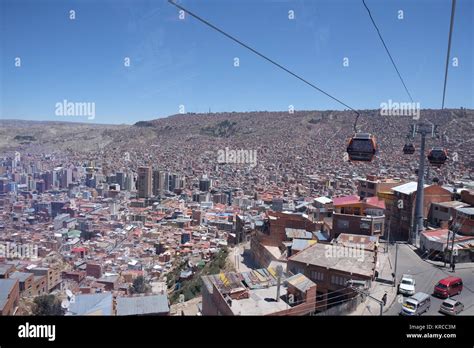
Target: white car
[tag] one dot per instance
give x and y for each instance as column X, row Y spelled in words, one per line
column 407, row 285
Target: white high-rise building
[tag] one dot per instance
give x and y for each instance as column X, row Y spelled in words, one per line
column 16, row 160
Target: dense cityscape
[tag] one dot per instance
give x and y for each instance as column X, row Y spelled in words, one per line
column 190, row 215
column 224, row 172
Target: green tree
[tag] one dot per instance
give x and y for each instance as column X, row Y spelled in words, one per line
column 192, row 288
column 47, row 305
column 139, row 286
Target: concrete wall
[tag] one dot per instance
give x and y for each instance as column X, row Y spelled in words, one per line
column 260, row 255
column 53, row 276
column 305, row 308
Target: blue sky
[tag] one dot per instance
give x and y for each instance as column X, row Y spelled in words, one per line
column 183, row 62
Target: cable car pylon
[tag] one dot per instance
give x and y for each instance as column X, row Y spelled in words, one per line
column 424, row 129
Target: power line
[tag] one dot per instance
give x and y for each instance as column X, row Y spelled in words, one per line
column 386, row 49
column 325, row 297
column 325, row 307
column 262, row 56
column 300, row 311
column 453, row 8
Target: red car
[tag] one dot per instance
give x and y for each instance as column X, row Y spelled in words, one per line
column 447, row 287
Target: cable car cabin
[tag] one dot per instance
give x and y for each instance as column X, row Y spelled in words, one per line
column 409, row 149
column 437, row 156
column 362, row 147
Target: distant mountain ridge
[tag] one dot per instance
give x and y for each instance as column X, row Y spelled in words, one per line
column 311, row 131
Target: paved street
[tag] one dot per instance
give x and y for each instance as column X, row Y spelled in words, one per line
column 379, row 288
column 240, row 258
column 427, row 274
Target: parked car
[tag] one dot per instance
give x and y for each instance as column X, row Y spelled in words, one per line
column 448, row 287
column 416, row 304
column 451, row 307
column 406, row 285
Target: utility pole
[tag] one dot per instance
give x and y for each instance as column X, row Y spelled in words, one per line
column 447, row 247
column 395, row 268
column 279, row 271
column 418, row 221
column 388, row 237
column 452, row 250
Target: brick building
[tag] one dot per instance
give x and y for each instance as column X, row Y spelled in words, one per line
column 441, row 213
column 26, row 283
column 323, row 208
column 5, row 270
column 331, row 266
column 467, row 196
column 402, row 211
column 372, row 185
column 356, row 215
column 268, row 243
column 463, row 221
column 53, row 276
column 248, row 294
column 110, row 281
column 40, row 285
column 9, row 296
column 76, row 276
column 94, row 270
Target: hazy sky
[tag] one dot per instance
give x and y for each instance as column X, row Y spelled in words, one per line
column 177, row 62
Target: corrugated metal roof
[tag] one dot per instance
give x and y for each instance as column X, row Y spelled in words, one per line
column 346, row 259
column 321, row 235
column 91, row 304
column 258, row 278
column 142, row 305
column 407, row 188
column 21, row 276
column 467, row 211
column 300, row 244
column 451, row 204
column 298, row 233
column 4, row 268
column 323, row 200
column 6, row 285
column 301, row 282
column 346, row 200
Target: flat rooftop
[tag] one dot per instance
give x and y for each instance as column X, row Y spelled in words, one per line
column 6, row 287
column 261, row 287
column 467, row 211
column 4, row 268
column 356, row 240
column 260, row 302
column 452, row 204
column 21, row 276
column 345, row 259
column 442, row 235
column 275, row 251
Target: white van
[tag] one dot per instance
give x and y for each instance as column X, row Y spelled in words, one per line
column 416, row 304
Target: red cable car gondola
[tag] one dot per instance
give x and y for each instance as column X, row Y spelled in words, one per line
column 409, row 149
column 437, row 156
column 362, row 147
